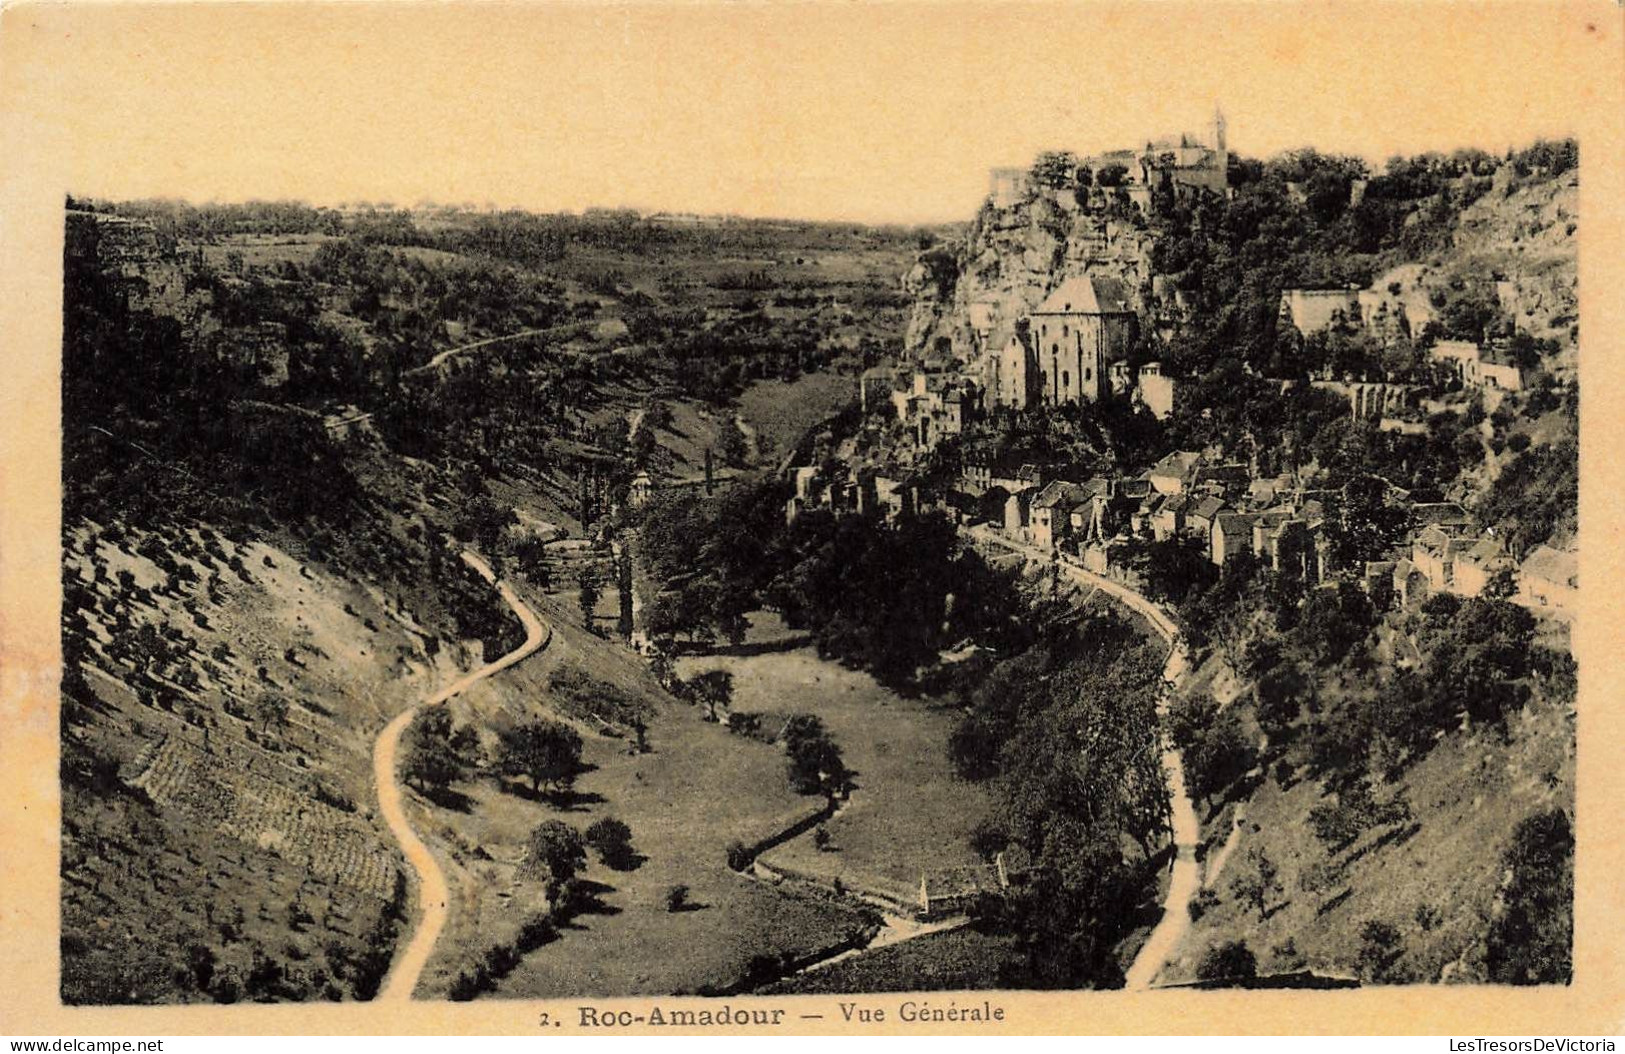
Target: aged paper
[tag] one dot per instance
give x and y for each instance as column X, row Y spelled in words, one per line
column 229, row 832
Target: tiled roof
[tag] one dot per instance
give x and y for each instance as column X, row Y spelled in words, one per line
column 1179, row 463
column 1486, row 550
column 1428, row 513
column 1059, row 494
column 1087, row 295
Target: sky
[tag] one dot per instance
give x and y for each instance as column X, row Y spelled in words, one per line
column 861, row 111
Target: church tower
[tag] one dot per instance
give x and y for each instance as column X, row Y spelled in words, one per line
column 1218, row 129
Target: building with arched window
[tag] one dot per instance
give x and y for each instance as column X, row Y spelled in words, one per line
column 1077, row 333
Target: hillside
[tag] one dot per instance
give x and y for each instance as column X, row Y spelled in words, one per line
column 1383, row 747
column 280, row 424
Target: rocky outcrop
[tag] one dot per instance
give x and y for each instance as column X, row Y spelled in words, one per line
column 1523, row 232
column 1009, row 259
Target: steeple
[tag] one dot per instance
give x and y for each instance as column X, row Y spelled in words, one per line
column 1218, row 128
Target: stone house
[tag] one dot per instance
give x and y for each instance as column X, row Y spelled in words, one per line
column 1202, row 515
column 895, row 498
column 1377, row 580
column 1454, row 353
column 1477, row 565
column 875, row 386
column 984, row 315
column 1446, row 514
column 1110, row 506
column 1232, row 534
column 1172, row 475
column 1434, row 553
column 1287, row 547
column 1009, row 186
column 1409, row 584
column 1168, row 517
column 1019, row 477
column 1050, row 520
column 1495, row 373
column 1314, row 310
column 1156, row 390
column 1229, row 480
column 1017, row 381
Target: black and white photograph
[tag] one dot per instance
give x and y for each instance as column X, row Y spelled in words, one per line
column 710, row 504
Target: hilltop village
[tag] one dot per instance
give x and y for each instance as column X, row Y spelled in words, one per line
column 1100, row 326
column 1314, row 423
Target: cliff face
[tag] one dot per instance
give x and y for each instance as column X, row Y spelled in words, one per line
column 1513, row 235
column 1524, row 231
column 1009, row 259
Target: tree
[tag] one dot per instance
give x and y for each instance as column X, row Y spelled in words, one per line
column 1231, row 961
column 612, row 840
column 1332, row 622
column 661, row 663
column 590, row 592
column 816, row 765
column 431, row 762
column 1479, row 660
column 1111, row 175
column 1255, row 884
column 1220, row 756
column 1531, row 936
column 713, row 688
column 271, row 709
column 734, row 447
column 1379, row 948
column 623, row 592
column 1056, row 169
column 1502, row 584
column 1366, row 524
column 1189, row 718
column 1281, row 693
column 545, row 751
column 531, row 554
column 677, row 898
column 1175, row 568
column 643, row 445
column 555, row 849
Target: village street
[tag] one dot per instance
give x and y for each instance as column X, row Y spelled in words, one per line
column 1186, row 879
column 433, row 894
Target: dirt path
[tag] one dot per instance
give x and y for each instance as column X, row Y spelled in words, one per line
column 433, row 894
column 1186, row 880
column 440, row 359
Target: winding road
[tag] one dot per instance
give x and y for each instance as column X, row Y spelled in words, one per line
column 441, row 359
column 433, row 893
column 1186, row 879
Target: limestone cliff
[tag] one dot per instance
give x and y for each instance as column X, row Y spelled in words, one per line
column 1523, row 231
column 1008, row 260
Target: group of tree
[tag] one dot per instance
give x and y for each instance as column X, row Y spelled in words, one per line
column 885, row 596
column 1067, row 732
column 1213, row 743
column 437, row 753
column 815, row 762
column 545, row 752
